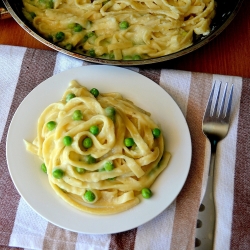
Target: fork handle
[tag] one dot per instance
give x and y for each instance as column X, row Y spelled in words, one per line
column 207, row 216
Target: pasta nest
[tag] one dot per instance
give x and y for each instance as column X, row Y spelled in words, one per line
column 133, row 167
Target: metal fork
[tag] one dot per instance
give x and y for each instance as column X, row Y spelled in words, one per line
column 215, row 126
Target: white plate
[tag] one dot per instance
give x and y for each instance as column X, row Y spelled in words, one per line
column 32, row 183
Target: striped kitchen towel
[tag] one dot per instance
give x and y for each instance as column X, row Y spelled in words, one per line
column 22, row 69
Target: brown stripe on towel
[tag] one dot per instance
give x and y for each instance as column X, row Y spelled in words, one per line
column 240, row 238
column 34, row 69
column 57, row 238
column 153, row 74
column 123, row 240
column 187, row 202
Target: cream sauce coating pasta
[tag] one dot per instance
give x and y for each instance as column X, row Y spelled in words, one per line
column 133, row 167
column 121, row 29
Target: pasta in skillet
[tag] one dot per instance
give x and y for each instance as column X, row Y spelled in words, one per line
column 100, row 151
column 121, row 29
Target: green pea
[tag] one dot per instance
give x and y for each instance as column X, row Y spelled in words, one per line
column 136, row 57
column 129, row 142
column 50, row 38
column 146, row 193
column 85, row 38
column 156, row 132
column 59, row 36
column 109, row 166
column 77, row 27
column 70, row 96
column 51, row 125
column 48, row 4
column 123, row 25
column 69, row 46
column 101, row 169
column 110, row 111
column 58, row 173
column 111, row 56
column 80, row 170
column 67, row 140
column 33, row 15
column 89, row 196
column 111, row 179
column 94, row 130
column 90, row 34
column 44, row 168
column 105, row 56
column 90, row 159
column 127, row 58
column 92, row 52
column 77, row 115
column 87, row 142
column 94, row 92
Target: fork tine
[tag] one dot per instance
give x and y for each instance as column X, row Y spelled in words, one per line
column 217, row 101
column 229, row 105
column 223, row 102
column 209, row 103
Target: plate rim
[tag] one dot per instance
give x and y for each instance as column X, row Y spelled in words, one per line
column 97, row 67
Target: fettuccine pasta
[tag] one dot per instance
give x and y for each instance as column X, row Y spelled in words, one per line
column 121, row 29
column 99, row 150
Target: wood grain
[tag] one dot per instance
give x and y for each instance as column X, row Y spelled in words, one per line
column 227, row 54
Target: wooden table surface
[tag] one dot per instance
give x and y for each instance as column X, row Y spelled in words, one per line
column 227, row 54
